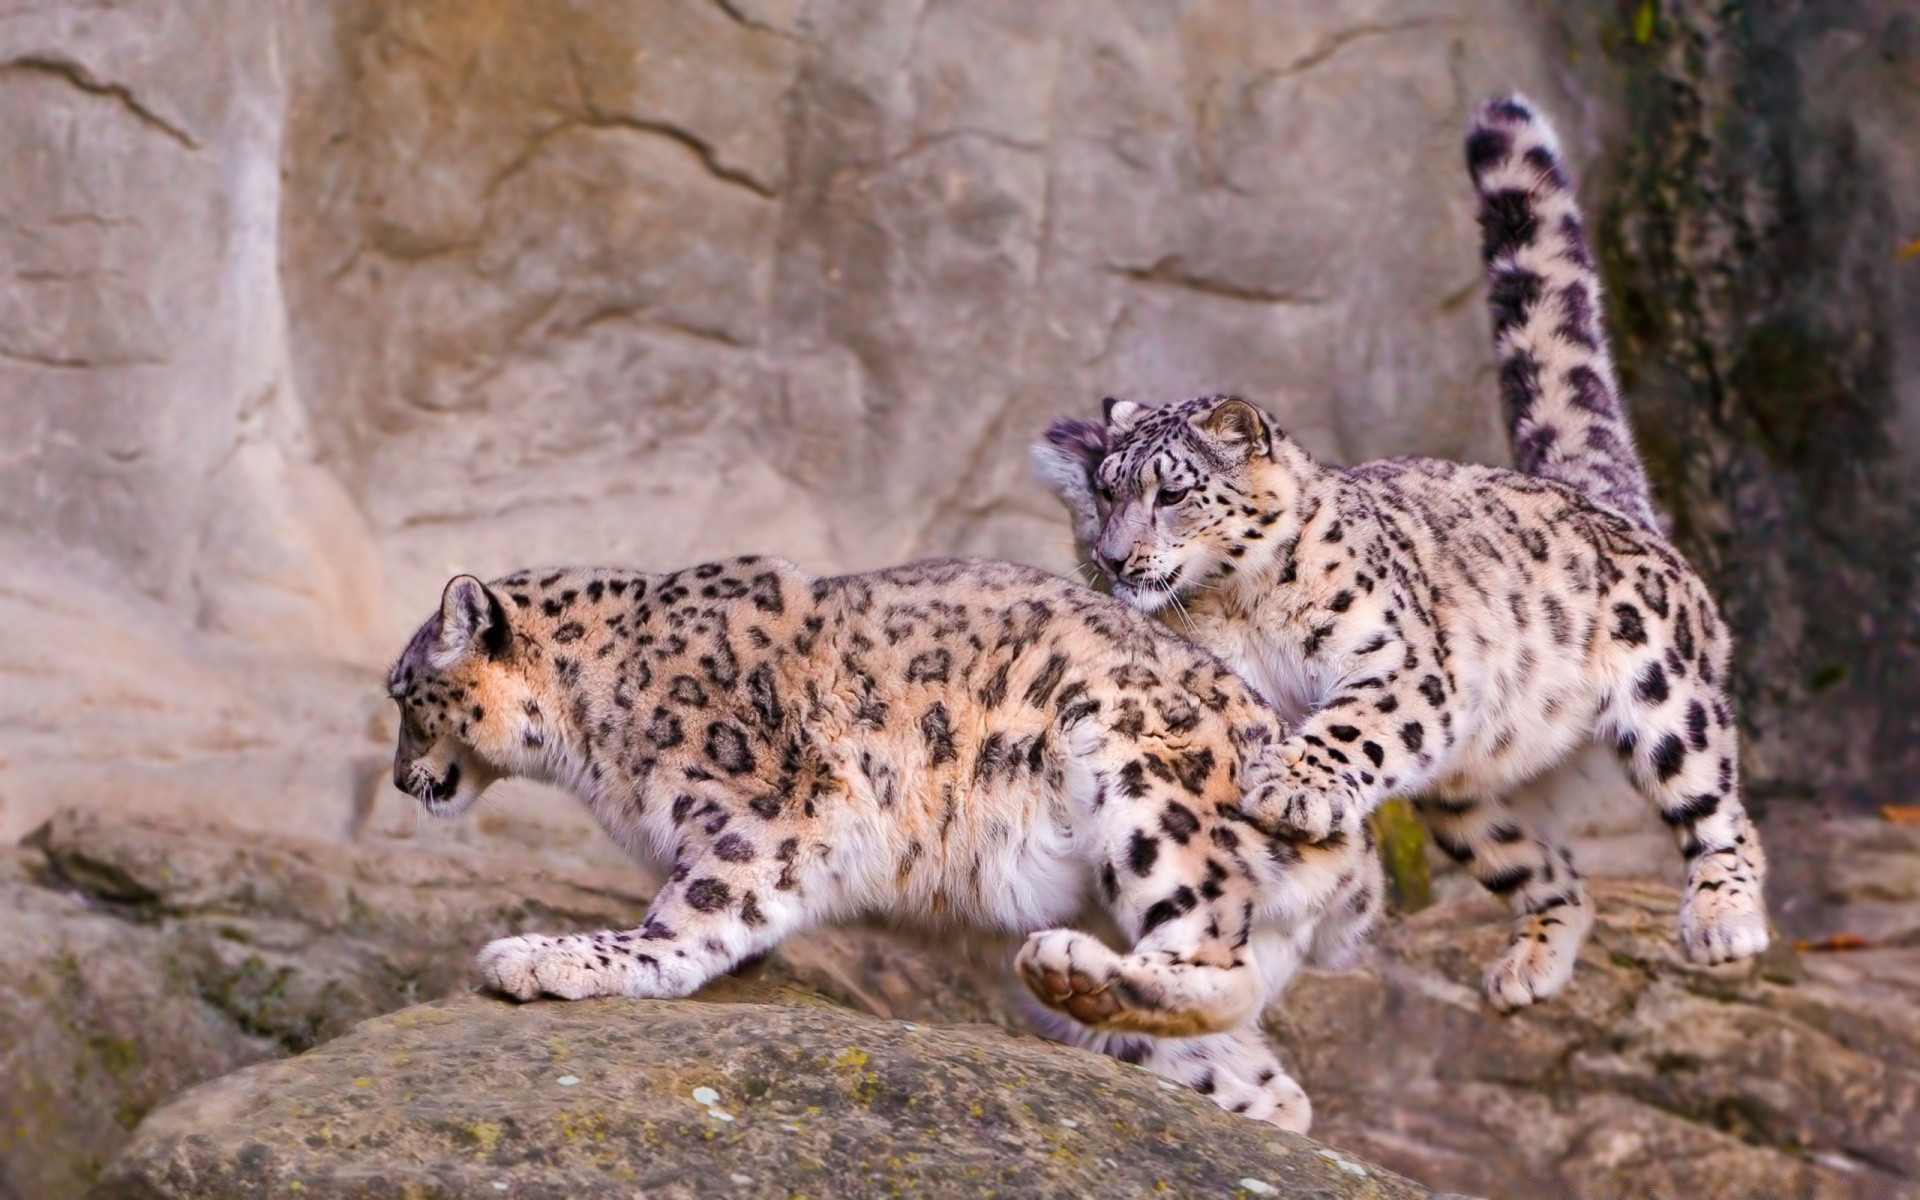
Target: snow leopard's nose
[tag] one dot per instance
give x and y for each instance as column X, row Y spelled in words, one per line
column 1109, row 564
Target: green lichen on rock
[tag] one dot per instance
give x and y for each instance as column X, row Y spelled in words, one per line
column 739, row 1091
column 1403, row 850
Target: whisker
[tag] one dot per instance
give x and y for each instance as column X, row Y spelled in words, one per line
column 1179, row 605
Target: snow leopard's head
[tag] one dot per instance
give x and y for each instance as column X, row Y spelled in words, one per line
column 1166, row 501
column 461, row 701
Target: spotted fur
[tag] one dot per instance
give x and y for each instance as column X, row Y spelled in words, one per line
column 1448, row 631
column 1441, row 631
column 957, row 743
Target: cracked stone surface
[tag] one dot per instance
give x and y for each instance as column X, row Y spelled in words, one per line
column 563, row 263
column 146, row 956
column 1793, row 1075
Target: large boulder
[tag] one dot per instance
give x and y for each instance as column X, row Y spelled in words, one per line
column 1796, row 1074
column 145, row 956
column 751, row 1092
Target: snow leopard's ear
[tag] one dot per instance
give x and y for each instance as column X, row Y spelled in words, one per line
column 1067, row 455
column 1236, row 427
column 1121, row 414
column 471, row 618
column 1064, row 461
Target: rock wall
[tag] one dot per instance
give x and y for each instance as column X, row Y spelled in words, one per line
column 168, row 530
column 656, row 281
column 151, row 419
column 306, row 307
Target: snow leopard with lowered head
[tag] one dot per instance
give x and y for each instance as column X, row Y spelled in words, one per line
column 1444, row 631
column 959, row 743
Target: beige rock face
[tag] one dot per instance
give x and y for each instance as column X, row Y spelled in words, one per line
column 808, row 283
column 143, row 332
column 304, row 308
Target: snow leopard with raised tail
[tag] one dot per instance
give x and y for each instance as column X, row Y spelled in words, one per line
column 958, row 743
column 1443, row 631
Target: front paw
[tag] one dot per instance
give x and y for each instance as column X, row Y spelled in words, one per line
column 1294, row 798
column 1296, row 812
column 1283, row 1103
column 527, row 968
column 1528, row 972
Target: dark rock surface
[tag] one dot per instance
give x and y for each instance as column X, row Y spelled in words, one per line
column 1759, row 231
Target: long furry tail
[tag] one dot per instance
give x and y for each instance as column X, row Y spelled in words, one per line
column 1557, row 384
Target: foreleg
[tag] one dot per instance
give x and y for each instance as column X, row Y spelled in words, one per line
column 700, row 925
column 1386, row 730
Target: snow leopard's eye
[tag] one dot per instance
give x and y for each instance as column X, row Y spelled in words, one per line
column 1171, row 496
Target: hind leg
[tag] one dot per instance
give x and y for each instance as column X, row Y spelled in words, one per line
column 1187, row 903
column 1533, row 872
column 1677, row 738
column 1169, row 986
column 1238, row 1069
column 1221, row 923
column 1350, row 914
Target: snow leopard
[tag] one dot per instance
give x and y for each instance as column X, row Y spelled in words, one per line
column 1443, row 631
column 956, row 743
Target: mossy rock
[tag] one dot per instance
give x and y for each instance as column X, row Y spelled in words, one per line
column 1403, row 851
column 754, row 1092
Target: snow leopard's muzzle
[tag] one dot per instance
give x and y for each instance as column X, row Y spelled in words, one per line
column 429, row 790
column 431, row 772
